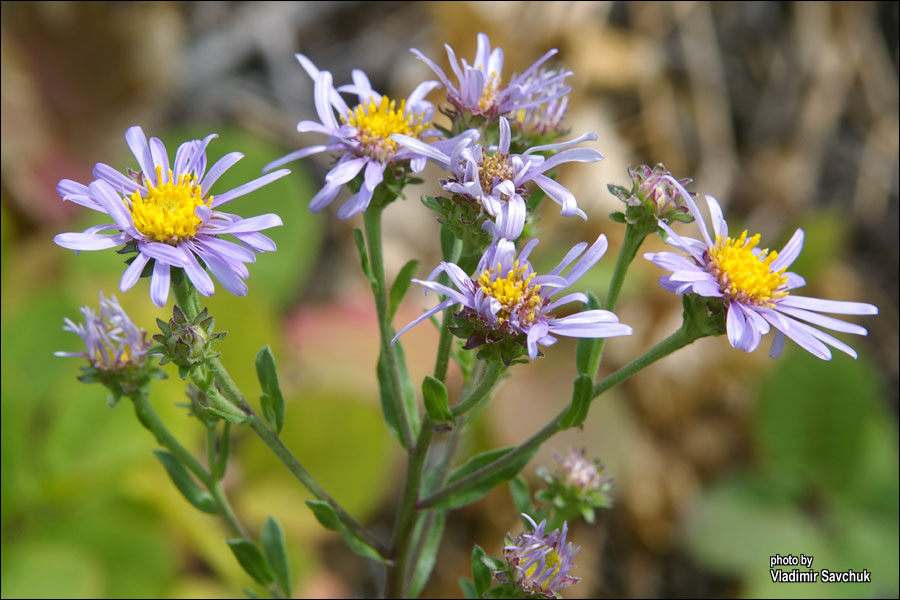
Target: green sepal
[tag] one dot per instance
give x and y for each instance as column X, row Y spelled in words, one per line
column 481, row 574
column 363, row 255
column 434, row 394
column 581, row 402
column 618, row 217
column 479, row 489
column 492, row 563
column 406, row 387
column 401, row 285
column 272, row 538
column 252, row 560
column 326, row 515
column 200, row 499
column 271, row 400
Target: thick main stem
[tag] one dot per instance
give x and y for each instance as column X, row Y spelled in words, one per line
column 372, row 223
column 679, row 339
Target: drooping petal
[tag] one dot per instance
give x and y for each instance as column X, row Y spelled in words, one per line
column 159, row 283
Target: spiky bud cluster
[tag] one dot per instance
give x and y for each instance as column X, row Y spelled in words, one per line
column 187, row 342
column 653, row 194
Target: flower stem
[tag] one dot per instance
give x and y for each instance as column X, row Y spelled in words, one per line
column 634, row 237
column 492, row 375
column 372, row 223
column 684, row 336
column 187, row 300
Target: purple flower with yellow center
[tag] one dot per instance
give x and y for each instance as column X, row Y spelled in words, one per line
column 509, row 299
column 548, row 116
column 480, row 90
column 497, row 179
column 755, row 286
column 362, row 135
column 539, row 562
column 167, row 213
column 111, row 340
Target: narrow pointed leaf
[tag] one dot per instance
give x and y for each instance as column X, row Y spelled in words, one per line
column 272, row 401
column 252, row 560
column 192, row 492
column 581, row 402
column 363, row 254
column 434, row 394
column 401, row 285
column 478, row 489
column 272, row 538
column 428, row 555
column 481, row 574
column 329, row 520
column 587, row 347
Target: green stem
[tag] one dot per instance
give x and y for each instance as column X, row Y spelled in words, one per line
column 406, row 519
column 684, row 336
column 372, row 224
column 494, row 371
column 186, row 297
column 634, row 237
column 446, row 340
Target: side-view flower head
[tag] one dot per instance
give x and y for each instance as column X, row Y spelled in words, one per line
column 362, row 135
column 754, row 285
column 497, row 180
column 480, row 90
column 111, row 339
column 539, row 562
column 509, row 299
column 166, row 212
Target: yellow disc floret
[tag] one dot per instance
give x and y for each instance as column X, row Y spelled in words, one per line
column 376, row 122
column 166, row 212
column 743, row 275
column 489, row 92
column 518, row 298
column 551, row 564
column 497, row 165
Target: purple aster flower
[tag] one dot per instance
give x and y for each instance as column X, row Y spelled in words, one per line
column 539, row 562
column 497, row 179
column 111, row 340
column 362, row 135
column 167, row 213
column 509, row 299
column 754, row 285
column 480, row 90
column 546, row 117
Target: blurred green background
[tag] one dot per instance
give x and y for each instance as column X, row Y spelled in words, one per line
column 787, row 113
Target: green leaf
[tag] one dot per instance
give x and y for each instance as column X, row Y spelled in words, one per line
column 481, row 574
column 478, row 489
column 586, row 347
column 272, row 538
column 272, row 401
column 468, row 588
column 329, row 519
column 401, row 284
column 428, row 554
column 618, row 216
column 252, row 560
column 581, row 402
column 231, row 418
column 406, row 385
column 363, row 254
column 447, row 242
column 435, row 395
column 201, row 499
column 521, row 495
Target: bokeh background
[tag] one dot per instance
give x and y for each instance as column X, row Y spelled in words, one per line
column 786, row 112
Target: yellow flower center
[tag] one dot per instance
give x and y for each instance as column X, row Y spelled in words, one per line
column 744, row 276
column 489, row 91
column 496, row 165
column 376, row 122
column 514, row 292
column 551, row 561
column 166, row 213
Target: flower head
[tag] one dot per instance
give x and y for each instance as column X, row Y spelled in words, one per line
column 539, row 562
column 654, row 192
column 166, row 213
column 496, row 180
column 546, row 117
column 754, row 285
column 506, row 300
column 577, row 487
column 115, row 348
column 362, row 135
column 480, row 90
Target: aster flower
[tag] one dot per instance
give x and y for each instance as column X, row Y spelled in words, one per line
column 111, row 339
column 754, row 285
column 167, row 214
column 480, row 90
column 362, row 135
column 496, row 180
column 539, row 562
column 653, row 193
column 546, row 117
column 506, row 299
